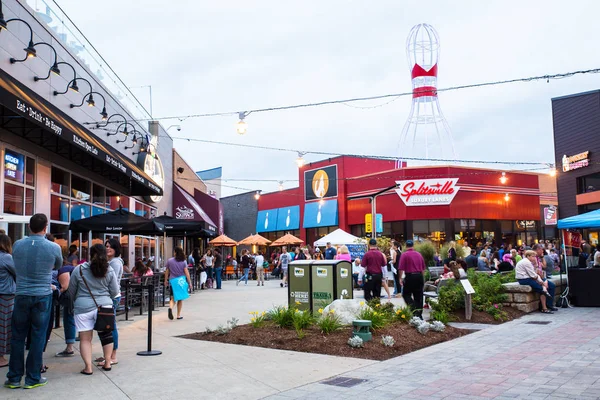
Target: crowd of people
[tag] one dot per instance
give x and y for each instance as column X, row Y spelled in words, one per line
column 34, row 275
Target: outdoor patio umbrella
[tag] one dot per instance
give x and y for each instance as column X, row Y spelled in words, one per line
column 223, row 241
column 118, row 221
column 286, row 240
column 254, row 240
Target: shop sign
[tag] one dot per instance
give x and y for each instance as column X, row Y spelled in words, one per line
column 298, row 272
column 14, row 166
column 550, row 215
column 322, row 272
column 427, row 192
column 301, row 297
column 575, row 162
column 184, row 212
column 526, row 224
column 320, row 183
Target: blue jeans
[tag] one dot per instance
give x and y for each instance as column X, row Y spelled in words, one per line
column 539, row 289
column 34, row 312
column 69, row 327
column 116, row 302
column 218, row 276
column 245, row 276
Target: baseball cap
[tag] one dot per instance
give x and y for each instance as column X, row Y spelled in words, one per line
column 317, row 250
column 409, row 243
column 373, row 242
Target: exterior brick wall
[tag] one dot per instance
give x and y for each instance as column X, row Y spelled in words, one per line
column 240, row 212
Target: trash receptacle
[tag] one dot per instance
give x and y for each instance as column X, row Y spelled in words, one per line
column 322, row 288
column 299, row 285
column 343, row 283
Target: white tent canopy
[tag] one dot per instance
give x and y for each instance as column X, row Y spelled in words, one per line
column 338, row 237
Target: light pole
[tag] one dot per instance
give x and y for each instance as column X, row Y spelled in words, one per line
column 373, row 199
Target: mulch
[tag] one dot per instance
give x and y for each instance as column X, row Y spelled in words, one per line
column 336, row 344
column 481, row 317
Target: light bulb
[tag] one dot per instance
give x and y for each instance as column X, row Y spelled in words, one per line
column 280, row 186
column 241, row 127
column 300, row 161
column 257, row 195
column 503, row 178
column 552, row 172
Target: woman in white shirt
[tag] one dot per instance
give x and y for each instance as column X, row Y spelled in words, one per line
column 526, row 274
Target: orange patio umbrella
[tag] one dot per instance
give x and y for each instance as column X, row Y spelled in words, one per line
column 254, row 240
column 287, row 240
column 223, row 241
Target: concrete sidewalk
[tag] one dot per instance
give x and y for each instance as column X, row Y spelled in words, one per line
column 189, row 369
column 513, row 360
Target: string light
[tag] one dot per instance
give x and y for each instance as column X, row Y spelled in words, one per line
column 506, row 197
column 281, row 186
column 385, row 96
column 242, row 127
column 503, row 178
column 300, row 160
column 552, row 172
column 257, row 195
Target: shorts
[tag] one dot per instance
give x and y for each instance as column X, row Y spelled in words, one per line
column 284, row 271
column 86, row 321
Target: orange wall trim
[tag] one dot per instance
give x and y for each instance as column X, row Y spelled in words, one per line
column 588, row 198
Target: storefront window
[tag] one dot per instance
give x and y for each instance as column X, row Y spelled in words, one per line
column 19, row 174
column 14, row 199
column 82, row 188
column 79, row 210
column 433, row 230
column 60, row 181
column 61, row 236
column 59, row 208
column 112, row 200
column 98, row 195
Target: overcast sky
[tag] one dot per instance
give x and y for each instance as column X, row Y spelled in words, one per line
column 207, row 56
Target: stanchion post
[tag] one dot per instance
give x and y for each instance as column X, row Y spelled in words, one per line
column 127, row 289
column 149, row 351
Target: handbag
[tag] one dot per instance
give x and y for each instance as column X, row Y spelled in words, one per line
column 180, row 288
column 105, row 315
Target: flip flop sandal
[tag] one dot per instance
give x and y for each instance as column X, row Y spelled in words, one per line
column 85, row 373
column 179, row 317
column 99, row 359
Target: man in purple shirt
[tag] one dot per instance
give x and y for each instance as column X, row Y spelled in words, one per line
column 372, row 262
column 413, row 266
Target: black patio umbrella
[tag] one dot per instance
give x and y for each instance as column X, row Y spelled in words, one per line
column 182, row 227
column 118, row 221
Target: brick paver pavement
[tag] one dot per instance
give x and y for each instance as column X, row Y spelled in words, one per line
column 515, row 360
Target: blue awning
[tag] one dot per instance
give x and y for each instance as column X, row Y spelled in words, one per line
column 587, row 220
column 266, row 221
column 319, row 214
column 288, row 218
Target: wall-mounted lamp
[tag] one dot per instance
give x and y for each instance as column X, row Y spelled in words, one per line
column 30, row 49
column 107, row 120
column 135, row 139
column 135, row 132
column 73, row 86
column 54, row 69
column 125, row 132
column 503, row 178
column 90, row 102
column 242, row 127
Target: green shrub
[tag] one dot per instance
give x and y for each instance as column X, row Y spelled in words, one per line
column 403, row 314
column 302, row 319
column 329, row 323
column 495, row 310
column 441, row 316
column 378, row 319
column 258, row 319
column 450, row 298
column 488, row 290
column 427, row 250
column 283, row 317
column 460, row 251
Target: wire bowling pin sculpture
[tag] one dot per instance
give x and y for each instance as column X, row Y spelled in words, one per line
column 426, row 133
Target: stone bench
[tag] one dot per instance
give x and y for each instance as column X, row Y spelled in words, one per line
column 523, row 298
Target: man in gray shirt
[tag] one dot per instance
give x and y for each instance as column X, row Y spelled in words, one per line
column 34, row 259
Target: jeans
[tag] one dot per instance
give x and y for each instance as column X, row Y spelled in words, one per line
column 540, row 289
column 34, row 312
column 115, row 331
column 245, row 276
column 69, row 327
column 219, row 276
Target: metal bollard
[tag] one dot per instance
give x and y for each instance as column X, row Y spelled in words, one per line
column 149, row 351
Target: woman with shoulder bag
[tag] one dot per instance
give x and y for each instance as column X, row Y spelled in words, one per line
column 93, row 285
column 177, row 276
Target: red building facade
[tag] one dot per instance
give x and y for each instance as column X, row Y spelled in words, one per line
column 439, row 203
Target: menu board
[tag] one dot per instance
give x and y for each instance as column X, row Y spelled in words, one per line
column 357, row 250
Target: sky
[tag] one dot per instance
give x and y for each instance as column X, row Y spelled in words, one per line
column 209, row 57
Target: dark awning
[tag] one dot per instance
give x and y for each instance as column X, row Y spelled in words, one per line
column 183, row 227
column 185, row 207
column 26, row 114
column 118, row 221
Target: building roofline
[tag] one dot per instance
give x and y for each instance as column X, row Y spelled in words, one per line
column 575, row 95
